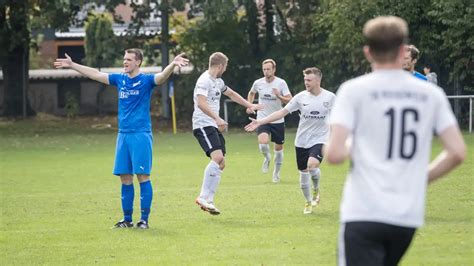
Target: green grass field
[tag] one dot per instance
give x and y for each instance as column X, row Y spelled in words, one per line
column 59, row 201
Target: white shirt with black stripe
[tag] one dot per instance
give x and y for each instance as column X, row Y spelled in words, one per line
column 391, row 116
column 212, row 88
column 267, row 97
column 314, row 112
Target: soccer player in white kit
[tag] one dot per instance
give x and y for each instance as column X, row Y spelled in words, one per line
column 390, row 115
column 314, row 105
column 272, row 93
column 207, row 125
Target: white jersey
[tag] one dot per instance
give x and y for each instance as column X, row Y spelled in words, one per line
column 314, row 112
column 267, row 97
column 211, row 88
column 391, row 116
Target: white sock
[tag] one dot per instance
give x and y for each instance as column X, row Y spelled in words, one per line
column 305, row 185
column 278, row 162
column 212, row 176
column 265, row 150
column 315, row 176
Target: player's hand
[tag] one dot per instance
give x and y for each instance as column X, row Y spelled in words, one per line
column 249, row 111
column 221, row 124
column 63, row 62
column 252, row 125
column 256, row 107
column 276, row 92
column 180, row 60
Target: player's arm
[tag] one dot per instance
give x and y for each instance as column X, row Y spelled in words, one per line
column 250, row 99
column 454, row 153
column 205, row 108
column 89, row 72
column 283, row 98
column 178, row 61
column 273, row 117
column 234, row 96
column 337, row 148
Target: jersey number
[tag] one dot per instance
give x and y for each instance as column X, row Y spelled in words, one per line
column 406, row 152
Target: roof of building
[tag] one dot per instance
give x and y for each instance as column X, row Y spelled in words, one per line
column 53, row 74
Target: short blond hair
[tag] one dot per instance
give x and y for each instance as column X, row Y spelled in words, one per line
column 313, row 70
column 217, row 58
column 384, row 35
column 271, row 61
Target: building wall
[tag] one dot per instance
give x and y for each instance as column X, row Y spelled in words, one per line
column 44, row 97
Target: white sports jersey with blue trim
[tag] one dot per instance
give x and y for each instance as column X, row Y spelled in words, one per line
column 391, row 116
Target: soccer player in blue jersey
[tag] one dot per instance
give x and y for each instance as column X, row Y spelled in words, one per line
column 133, row 154
column 411, row 57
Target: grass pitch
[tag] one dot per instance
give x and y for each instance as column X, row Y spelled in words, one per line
column 59, row 200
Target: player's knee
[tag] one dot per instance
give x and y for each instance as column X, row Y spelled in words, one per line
column 219, row 159
column 312, row 164
column 278, row 147
column 222, row 164
column 143, row 178
column 126, row 179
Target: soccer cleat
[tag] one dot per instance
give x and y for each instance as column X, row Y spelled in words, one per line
column 308, row 209
column 276, row 178
column 207, row 206
column 123, row 224
column 142, row 224
column 265, row 165
column 315, row 200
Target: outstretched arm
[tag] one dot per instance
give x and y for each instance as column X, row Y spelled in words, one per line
column 89, row 72
column 250, row 99
column 273, row 117
column 234, row 96
column 178, row 61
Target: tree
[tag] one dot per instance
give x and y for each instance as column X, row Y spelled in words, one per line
column 98, row 41
column 15, row 36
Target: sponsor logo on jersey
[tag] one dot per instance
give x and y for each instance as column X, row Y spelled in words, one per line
column 136, row 83
column 314, row 115
column 124, row 94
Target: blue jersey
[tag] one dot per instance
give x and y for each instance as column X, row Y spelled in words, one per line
column 419, row 75
column 134, row 96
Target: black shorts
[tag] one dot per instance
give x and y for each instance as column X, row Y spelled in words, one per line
column 302, row 155
column 210, row 139
column 372, row 243
column 276, row 131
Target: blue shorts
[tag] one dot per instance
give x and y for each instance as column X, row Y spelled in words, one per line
column 133, row 153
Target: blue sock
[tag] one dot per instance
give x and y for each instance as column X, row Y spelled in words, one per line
column 128, row 194
column 146, row 195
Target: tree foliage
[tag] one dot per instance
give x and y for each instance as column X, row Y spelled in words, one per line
column 326, row 34
column 100, row 41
